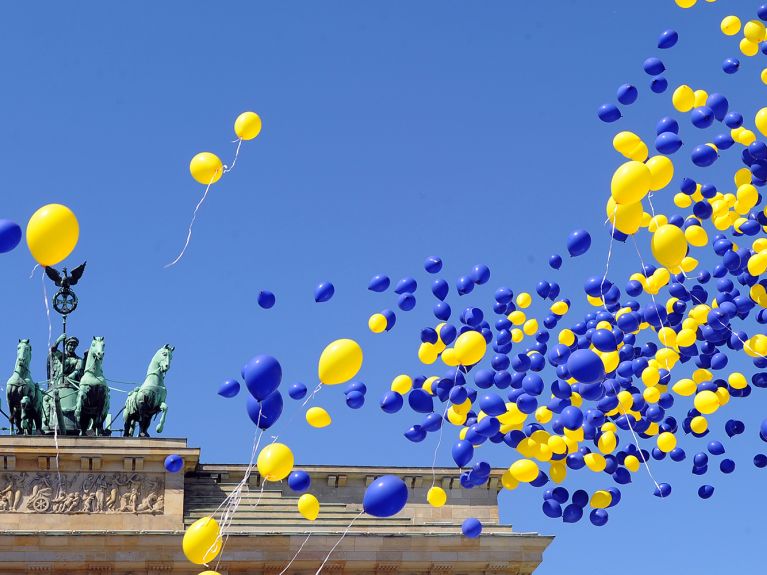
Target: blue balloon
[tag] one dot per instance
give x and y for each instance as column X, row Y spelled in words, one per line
column 585, row 366
column 718, row 104
column 667, row 39
column 10, row 235
column 727, row 466
column 392, row 402
column 654, row 66
column 471, row 527
column 379, row 283
column 733, row 120
column 385, row 497
column 578, row 242
column 731, row 65
column 492, row 404
column 668, row 143
column 297, row 391
column 356, row 386
column 627, row 94
column 442, row 311
column 555, row 261
column 420, row 401
column 440, row 289
column 702, row 117
column 609, row 113
column 571, row 417
column 705, row 491
column 416, row 434
column 464, row 285
column 715, row 448
column 572, row 513
column 262, row 375
column 323, row 292
column 406, row 302
column 663, row 490
column 299, row 481
column 266, row 299
column 355, row 399
column 266, row 412
column 760, row 460
column 391, row 318
column 406, row 285
column 658, row 85
column 229, row 388
column 704, row 155
column 174, row 463
column 462, row 453
column 598, row 517
column 552, row 508
column 666, row 124
column 432, row 264
column 480, row 274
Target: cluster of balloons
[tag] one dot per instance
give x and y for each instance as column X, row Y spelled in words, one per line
column 634, row 380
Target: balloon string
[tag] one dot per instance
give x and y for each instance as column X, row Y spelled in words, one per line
column 609, row 257
column 34, row 269
column 441, row 429
column 295, row 556
column 652, row 207
column 337, row 542
column 191, row 224
column 50, row 363
column 228, row 169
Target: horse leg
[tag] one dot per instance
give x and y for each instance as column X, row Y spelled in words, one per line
column 127, row 425
column 144, row 425
column 163, row 414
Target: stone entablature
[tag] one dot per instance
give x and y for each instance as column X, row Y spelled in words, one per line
column 106, row 506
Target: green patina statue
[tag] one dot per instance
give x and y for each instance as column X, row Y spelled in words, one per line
column 92, row 406
column 25, row 400
column 148, row 400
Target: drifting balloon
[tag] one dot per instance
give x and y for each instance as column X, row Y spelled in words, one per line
column 174, row 463
column 206, row 168
column 318, row 417
column 578, row 242
column 340, row 361
column 308, row 506
column 262, row 375
column 247, row 125
column 266, row 299
column 379, row 283
column 299, row 481
column 52, row 234
column 10, row 235
column 275, row 462
column 385, row 497
column 323, row 292
column 471, row 527
column 229, row 388
column 202, row 541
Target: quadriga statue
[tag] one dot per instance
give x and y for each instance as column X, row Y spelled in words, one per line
column 148, row 400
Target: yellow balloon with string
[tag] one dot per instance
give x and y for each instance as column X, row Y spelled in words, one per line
column 202, row 541
column 206, row 168
column 340, row 361
column 247, row 125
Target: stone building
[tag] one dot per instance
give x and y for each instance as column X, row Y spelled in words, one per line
column 106, row 506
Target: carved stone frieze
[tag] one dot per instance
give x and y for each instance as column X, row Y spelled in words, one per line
column 71, row 493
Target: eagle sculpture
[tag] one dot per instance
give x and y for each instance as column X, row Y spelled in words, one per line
column 63, row 279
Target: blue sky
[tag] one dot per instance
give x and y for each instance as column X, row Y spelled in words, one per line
column 392, row 131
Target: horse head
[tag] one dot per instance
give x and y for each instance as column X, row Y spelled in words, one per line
column 23, row 356
column 95, row 354
column 162, row 358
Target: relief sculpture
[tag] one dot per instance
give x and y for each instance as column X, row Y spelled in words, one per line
column 69, row 493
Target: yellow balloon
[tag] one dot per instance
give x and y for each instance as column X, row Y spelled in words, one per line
column 696, row 236
column 627, row 219
column 699, row 424
column 601, row 499
column 706, row 402
column 632, row 463
column 754, row 30
column 427, row 353
column 450, row 357
column 402, row 384
column 686, row 3
column 661, row 172
column 470, row 347
column 206, row 168
column 683, row 98
column 308, row 506
column 377, row 322
column 630, row 145
column 52, row 234
column 524, row 300
column 595, row 461
column 340, row 361
column 669, row 246
column 275, row 461
column 318, row 417
column 202, row 541
column 524, row 470
column 666, row 441
column 761, row 121
column 748, row 48
column 247, row 125
column 436, row 496
column 210, row 573
column 730, row 25
column 631, row 182
column 737, row 381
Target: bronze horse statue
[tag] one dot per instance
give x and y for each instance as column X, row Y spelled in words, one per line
column 148, row 400
column 25, row 399
column 93, row 397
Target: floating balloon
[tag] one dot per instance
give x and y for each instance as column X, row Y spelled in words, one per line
column 385, row 497
column 299, row 480
column 266, row 299
column 247, row 125
column 229, row 389
column 578, row 242
column 323, row 292
column 275, row 462
column 379, row 283
column 206, row 168
column 308, row 506
column 174, row 463
column 340, row 361
column 471, row 527
column 436, row 496
column 202, row 541
column 318, row 417
column 52, row 234
column 10, row 235
column 262, row 375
